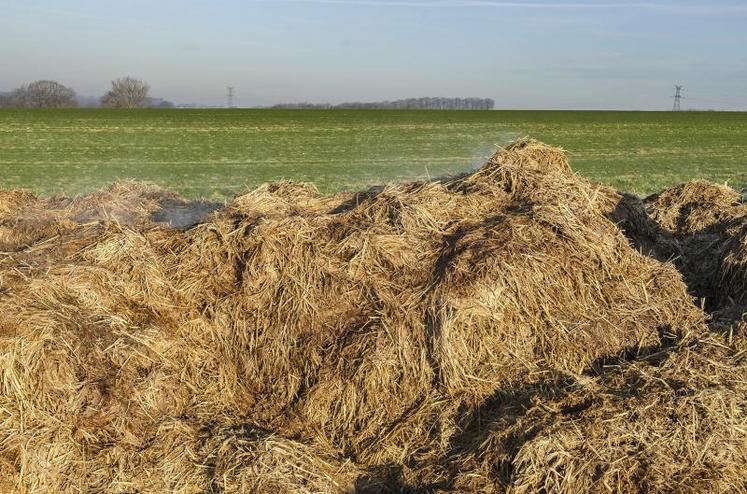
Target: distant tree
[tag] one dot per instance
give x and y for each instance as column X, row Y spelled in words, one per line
column 164, row 104
column 126, row 92
column 44, row 94
column 159, row 103
column 302, row 106
column 426, row 103
column 6, row 100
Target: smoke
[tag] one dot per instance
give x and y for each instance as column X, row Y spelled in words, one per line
column 184, row 215
column 482, row 153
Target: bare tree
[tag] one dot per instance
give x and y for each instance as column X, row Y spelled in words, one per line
column 44, row 94
column 403, row 104
column 126, row 92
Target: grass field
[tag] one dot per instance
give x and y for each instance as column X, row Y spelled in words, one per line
column 217, row 153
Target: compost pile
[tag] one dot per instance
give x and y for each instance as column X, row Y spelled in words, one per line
column 517, row 329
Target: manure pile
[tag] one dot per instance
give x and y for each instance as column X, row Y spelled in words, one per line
column 518, row 329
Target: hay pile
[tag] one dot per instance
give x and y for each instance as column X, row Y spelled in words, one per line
column 26, row 219
column 708, row 225
column 494, row 332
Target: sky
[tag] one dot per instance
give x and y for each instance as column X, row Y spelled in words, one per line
column 540, row 54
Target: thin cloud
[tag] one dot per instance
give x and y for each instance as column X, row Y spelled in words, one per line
column 700, row 9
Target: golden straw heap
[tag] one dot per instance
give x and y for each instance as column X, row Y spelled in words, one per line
column 517, row 329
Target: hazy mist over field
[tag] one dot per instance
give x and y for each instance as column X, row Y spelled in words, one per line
column 538, row 54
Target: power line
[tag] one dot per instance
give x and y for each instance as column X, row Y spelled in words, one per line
column 677, row 98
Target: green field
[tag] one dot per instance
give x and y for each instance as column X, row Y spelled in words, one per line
column 218, row 153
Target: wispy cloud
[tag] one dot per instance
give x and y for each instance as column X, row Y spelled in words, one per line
column 711, row 7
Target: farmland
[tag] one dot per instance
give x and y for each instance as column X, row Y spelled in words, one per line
column 218, row 153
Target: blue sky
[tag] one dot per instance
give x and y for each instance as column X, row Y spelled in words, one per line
column 536, row 54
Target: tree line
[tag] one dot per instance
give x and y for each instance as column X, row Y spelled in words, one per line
column 125, row 92
column 426, row 103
